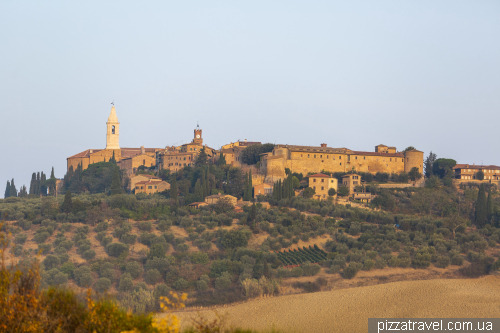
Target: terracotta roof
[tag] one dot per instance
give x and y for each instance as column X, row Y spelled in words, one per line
column 320, row 175
column 86, row 153
column 366, row 153
column 147, row 176
column 151, row 181
column 468, row 166
column 315, row 149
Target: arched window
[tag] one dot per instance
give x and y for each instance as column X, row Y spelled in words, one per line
column 113, row 129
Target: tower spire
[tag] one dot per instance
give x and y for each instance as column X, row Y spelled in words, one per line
column 113, row 130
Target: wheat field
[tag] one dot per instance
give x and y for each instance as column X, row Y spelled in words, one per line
column 348, row 310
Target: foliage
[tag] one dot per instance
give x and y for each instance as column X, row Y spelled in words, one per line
column 299, row 256
column 251, row 154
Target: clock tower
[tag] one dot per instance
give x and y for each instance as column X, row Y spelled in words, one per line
column 197, row 136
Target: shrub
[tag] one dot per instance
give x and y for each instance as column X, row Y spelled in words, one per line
column 134, row 269
column 20, row 238
column 223, row 281
column 297, row 271
column 83, row 276
column 368, row 264
column 68, row 268
column 116, row 249
column 128, row 238
column 201, row 285
column 108, row 273
column 456, row 260
column 41, row 237
column 334, row 269
column 50, row 262
column 180, row 284
column 310, row 269
column 102, row 285
column 199, row 258
column 161, row 264
column 145, row 226
column 25, row 224
column 158, row 250
column 102, row 226
column 44, row 248
column 442, row 262
column 164, row 225
column 153, row 276
column 234, row 239
column 182, row 247
column 126, row 283
column 89, row 254
column 350, row 271
column 106, row 240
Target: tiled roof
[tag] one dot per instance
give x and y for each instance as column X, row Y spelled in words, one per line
column 147, row 176
column 151, row 181
column 86, row 153
column 320, row 175
column 315, row 149
column 366, row 153
column 482, row 167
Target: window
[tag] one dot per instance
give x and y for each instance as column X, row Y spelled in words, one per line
column 314, row 156
column 402, row 160
column 364, row 157
column 314, row 180
column 322, row 188
column 307, row 155
column 314, row 187
column 322, row 180
column 356, row 158
column 340, row 163
column 331, row 181
column 142, row 188
column 355, row 182
column 390, row 160
column 156, row 187
column 150, row 187
column 143, row 162
column 340, row 157
column 137, row 187
column 113, row 129
column 300, row 155
column 320, row 156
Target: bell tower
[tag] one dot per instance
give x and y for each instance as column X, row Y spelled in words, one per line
column 197, row 136
column 113, row 130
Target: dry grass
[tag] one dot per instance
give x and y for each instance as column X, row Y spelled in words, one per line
column 348, row 310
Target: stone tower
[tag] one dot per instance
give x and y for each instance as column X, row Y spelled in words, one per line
column 197, row 136
column 113, row 131
column 414, row 159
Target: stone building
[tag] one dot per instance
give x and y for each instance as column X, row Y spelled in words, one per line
column 306, row 159
column 213, row 199
column 262, row 189
column 467, row 172
column 351, row 181
column 321, row 183
column 141, row 178
column 90, row 156
column 232, row 151
column 151, row 186
column 175, row 158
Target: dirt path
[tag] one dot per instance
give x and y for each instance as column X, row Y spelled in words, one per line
column 348, row 310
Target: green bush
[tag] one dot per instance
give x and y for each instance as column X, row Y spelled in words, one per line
column 20, row 238
column 310, row 269
column 199, row 258
column 350, row 271
column 89, row 254
column 51, row 261
column 44, row 248
column 41, row 237
column 334, row 269
column 223, row 281
column 83, row 276
column 145, row 226
column 126, row 283
column 442, row 262
column 180, row 284
column 368, row 264
column 68, row 268
column 116, row 249
column 134, row 269
column 128, row 238
column 102, row 285
column 297, row 271
column 152, row 276
column 25, row 224
column 103, row 226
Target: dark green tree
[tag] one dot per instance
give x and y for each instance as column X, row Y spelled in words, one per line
column 332, row 192
column 414, row 174
column 173, row 190
column 343, row 191
column 480, row 175
column 245, row 188
column 489, row 206
column 250, row 185
column 13, row 190
column 222, row 159
column 51, row 183
column 7, row 190
column 33, row 184
column 308, row 192
column 67, row 203
column 443, row 167
column 409, row 148
column 43, row 187
column 202, row 158
column 116, row 184
column 481, row 214
column 198, row 191
column 253, row 214
column 113, row 159
column 37, row 183
column 429, row 162
column 251, row 154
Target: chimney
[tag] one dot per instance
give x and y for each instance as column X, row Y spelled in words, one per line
column 143, row 151
column 91, row 151
column 323, row 145
column 245, row 140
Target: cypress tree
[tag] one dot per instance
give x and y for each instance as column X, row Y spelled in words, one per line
column 489, row 206
column 280, row 190
column 112, row 159
column 245, row 188
column 250, row 185
column 207, row 182
column 481, row 208
column 13, row 190
column 37, row 185
column 173, row 190
column 202, row 158
column 52, row 172
column 116, row 187
column 33, row 184
column 68, row 203
column 23, row 193
column 7, row 190
column 198, row 192
column 292, row 191
column 203, row 183
column 221, row 160
column 43, row 187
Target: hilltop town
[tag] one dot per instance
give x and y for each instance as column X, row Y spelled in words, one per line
column 248, row 220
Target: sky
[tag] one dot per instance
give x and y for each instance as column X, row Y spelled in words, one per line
column 347, row 73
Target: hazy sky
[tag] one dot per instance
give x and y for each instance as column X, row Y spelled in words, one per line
column 349, row 73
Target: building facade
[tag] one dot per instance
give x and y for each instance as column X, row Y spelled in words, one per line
column 306, row 159
column 469, row 172
column 151, row 186
column 321, row 184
